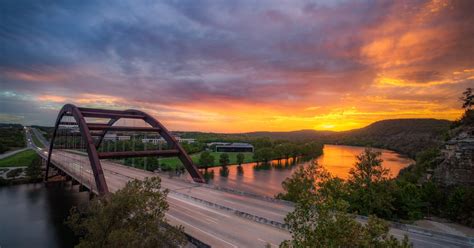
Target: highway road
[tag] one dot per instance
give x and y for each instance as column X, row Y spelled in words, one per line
column 218, row 228
column 210, row 224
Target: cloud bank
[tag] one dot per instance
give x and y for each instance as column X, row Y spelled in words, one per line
column 233, row 66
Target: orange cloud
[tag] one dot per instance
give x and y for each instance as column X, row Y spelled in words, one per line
column 51, row 98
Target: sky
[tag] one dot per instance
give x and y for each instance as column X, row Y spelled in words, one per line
column 238, row 66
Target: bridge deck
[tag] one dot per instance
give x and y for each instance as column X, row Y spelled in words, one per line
column 203, row 222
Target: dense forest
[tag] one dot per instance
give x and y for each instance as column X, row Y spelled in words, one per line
column 12, row 136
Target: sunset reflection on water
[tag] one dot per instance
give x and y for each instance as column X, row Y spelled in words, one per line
column 266, row 180
column 338, row 160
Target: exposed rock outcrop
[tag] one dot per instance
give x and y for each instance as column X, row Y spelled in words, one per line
column 457, row 166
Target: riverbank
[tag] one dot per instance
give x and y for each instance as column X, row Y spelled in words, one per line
column 19, row 159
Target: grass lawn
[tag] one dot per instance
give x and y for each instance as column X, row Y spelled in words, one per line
column 175, row 162
column 37, row 141
column 23, row 158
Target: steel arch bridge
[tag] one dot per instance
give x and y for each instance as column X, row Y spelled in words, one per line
column 98, row 130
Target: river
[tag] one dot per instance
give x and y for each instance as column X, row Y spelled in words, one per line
column 266, row 180
column 33, row 215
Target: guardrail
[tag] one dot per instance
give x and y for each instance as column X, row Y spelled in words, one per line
column 239, row 213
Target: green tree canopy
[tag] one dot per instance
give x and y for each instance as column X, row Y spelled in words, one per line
column 467, row 99
column 369, row 187
column 206, row 159
column 263, row 154
column 33, row 171
column 224, row 159
column 132, row 217
column 303, row 182
column 240, row 158
column 316, row 223
column 321, row 217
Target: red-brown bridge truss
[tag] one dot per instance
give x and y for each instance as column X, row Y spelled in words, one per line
column 86, row 131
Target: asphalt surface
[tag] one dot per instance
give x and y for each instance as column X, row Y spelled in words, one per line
column 216, row 227
column 10, row 153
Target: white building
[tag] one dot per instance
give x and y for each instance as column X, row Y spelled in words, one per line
column 162, row 141
column 115, row 137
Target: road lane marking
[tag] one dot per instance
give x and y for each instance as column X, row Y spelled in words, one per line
column 210, row 234
column 202, row 207
column 193, row 211
column 193, row 216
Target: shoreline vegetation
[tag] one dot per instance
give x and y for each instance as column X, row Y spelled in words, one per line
column 23, row 167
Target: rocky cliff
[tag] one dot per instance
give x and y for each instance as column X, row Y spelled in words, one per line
column 457, row 160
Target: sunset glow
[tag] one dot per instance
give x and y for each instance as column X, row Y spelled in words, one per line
column 239, row 66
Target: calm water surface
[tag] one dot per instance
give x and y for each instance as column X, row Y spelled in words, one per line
column 32, row 215
column 338, row 160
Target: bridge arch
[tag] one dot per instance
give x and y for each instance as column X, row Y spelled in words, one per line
column 79, row 115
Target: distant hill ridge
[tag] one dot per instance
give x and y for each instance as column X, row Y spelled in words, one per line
column 408, row 136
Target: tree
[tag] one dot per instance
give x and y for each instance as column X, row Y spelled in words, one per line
column 279, row 152
column 295, row 151
column 327, row 224
column 132, row 217
column 206, row 159
column 467, row 99
column 369, row 187
column 263, row 154
column 320, row 219
column 407, row 203
column 240, row 158
column 33, row 171
column 224, row 161
column 467, row 119
column 3, row 148
column 303, row 182
column 288, row 150
column 460, row 205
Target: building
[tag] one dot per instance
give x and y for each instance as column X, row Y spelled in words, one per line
column 232, row 147
column 115, row 137
column 154, row 141
column 213, row 144
column 183, row 140
column 160, row 140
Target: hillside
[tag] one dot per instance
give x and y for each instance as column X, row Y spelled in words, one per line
column 408, row 136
